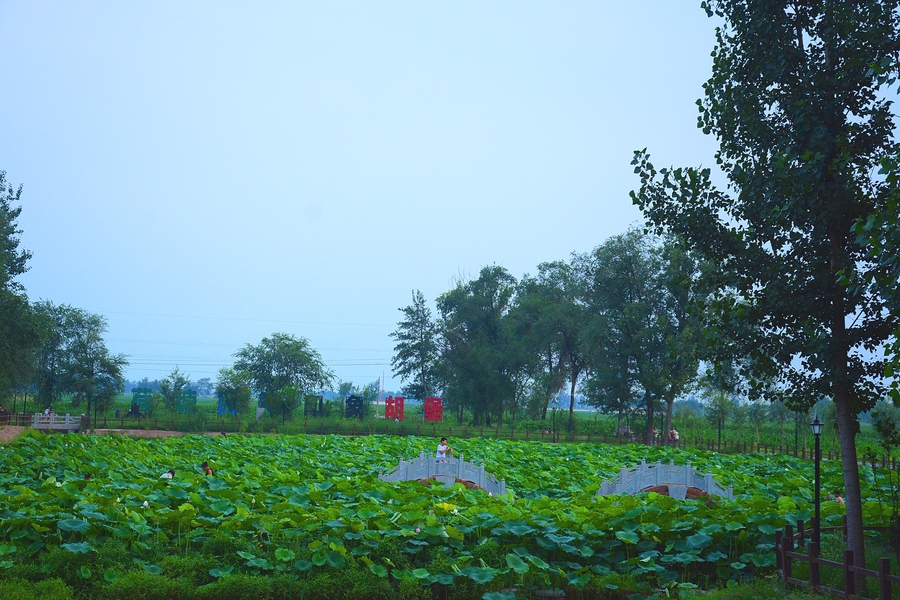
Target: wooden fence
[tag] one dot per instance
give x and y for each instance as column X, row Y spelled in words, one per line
column 785, row 553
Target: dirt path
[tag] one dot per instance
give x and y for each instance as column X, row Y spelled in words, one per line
column 9, row 432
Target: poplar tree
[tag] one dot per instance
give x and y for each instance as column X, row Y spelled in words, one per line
column 795, row 101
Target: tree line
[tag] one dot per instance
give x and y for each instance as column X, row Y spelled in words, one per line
column 48, row 350
column 797, row 254
column 614, row 324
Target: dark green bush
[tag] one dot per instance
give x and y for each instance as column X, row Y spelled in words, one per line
column 193, row 568
column 238, row 587
column 49, row 589
column 138, row 585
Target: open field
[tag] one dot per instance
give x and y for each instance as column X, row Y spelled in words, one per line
column 297, row 509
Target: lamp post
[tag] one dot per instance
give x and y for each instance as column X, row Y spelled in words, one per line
column 817, row 426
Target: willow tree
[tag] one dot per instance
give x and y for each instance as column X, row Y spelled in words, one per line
column 796, row 104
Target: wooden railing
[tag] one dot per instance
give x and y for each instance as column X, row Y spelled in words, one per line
column 785, row 553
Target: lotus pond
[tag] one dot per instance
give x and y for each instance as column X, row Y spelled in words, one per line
column 296, row 505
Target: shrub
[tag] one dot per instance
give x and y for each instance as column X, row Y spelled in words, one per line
column 49, row 589
column 138, row 585
column 238, row 587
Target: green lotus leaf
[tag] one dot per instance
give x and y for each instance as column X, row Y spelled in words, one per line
column 516, row 564
column 378, row 570
column 699, row 540
column 335, row 559
column 221, row 571
column 284, row 555
column 79, row 548
column 77, row 525
column 629, row 537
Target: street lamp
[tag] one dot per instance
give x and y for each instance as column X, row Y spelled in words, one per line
column 817, row 426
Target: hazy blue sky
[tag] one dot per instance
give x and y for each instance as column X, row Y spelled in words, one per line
column 205, row 174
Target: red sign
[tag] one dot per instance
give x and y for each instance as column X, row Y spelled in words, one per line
column 393, row 408
column 434, row 409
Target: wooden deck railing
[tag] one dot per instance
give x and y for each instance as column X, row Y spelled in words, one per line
column 785, row 553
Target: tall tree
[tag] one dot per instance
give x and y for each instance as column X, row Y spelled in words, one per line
column 794, row 103
column 72, row 358
column 279, row 362
column 549, row 322
column 91, row 373
column 478, row 366
column 18, row 332
column 232, row 389
column 13, row 261
column 645, row 339
column 171, row 386
column 416, row 352
column 19, row 339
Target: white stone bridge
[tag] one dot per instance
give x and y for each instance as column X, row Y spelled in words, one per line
column 446, row 470
column 678, row 478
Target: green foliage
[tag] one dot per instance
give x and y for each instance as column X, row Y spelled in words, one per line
column 48, row 589
column 282, row 368
column 170, row 387
column 645, row 338
column 140, row 585
column 73, row 358
column 795, row 102
column 233, row 389
column 477, row 361
column 416, row 351
column 311, row 510
column 886, row 418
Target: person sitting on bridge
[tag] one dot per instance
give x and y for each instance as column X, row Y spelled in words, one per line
column 206, row 470
column 443, row 450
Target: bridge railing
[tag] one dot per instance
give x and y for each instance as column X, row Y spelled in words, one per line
column 445, row 469
column 677, row 477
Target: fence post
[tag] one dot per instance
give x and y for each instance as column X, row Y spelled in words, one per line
column 844, row 526
column 814, row 580
column 779, row 562
column 849, row 575
column 884, row 584
column 787, row 543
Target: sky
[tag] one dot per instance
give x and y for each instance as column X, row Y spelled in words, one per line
column 204, row 174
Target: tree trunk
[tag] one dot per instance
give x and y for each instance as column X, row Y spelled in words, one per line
column 853, row 497
column 572, row 401
column 670, row 405
column 649, row 419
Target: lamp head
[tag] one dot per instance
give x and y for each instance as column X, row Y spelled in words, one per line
column 817, row 426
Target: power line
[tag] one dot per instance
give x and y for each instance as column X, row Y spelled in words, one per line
column 207, row 317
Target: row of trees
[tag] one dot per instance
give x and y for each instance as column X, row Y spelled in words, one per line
column 47, row 350
column 798, row 287
column 614, row 324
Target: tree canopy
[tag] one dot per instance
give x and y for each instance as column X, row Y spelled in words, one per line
column 416, row 352
column 794, row 103
column 282, row 368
